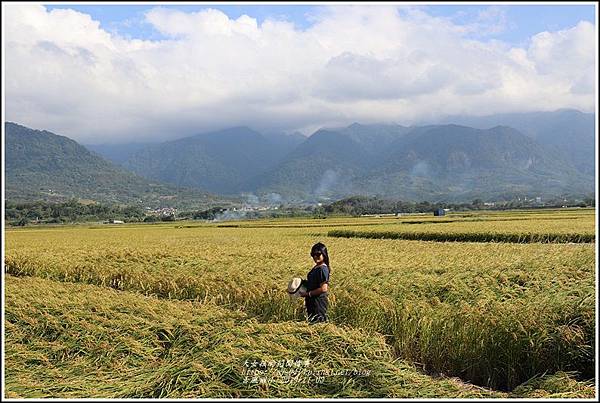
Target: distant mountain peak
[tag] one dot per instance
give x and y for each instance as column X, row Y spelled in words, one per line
column 230, row 131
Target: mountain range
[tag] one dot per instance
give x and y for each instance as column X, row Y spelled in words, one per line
column 436, row 162
column 41, row 165
column 496, row 157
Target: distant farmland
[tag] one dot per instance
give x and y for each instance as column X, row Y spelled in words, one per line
column 186, row 309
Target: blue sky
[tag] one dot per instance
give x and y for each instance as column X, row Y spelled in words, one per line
column 520, row 21
column 128, row 20
column 523, row 20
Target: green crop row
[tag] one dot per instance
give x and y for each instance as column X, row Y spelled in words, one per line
column 466, row 236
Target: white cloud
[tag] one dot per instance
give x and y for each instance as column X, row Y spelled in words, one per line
column 350, row 77
column 66, row 74
column 567, row 55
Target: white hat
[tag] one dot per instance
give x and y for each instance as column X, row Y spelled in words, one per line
column 296, row 286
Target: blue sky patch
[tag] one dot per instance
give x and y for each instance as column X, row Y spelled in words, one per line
column 513, row 24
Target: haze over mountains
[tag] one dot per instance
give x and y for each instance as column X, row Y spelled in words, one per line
column 545, row 154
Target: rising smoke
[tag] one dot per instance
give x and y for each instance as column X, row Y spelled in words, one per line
column 230, row 215
column 273, row 198
column 421, row 168
column 329, row 179
column 251, row 198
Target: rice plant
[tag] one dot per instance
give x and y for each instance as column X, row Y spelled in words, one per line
column 69, row 341
column 495, row 314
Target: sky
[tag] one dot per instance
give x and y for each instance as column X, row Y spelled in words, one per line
column 110, row 73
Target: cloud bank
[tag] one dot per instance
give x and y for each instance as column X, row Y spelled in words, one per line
column 66, row 74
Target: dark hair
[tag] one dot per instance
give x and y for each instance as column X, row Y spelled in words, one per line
column 321, row 248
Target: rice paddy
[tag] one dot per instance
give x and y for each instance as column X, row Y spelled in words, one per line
column 180, row 309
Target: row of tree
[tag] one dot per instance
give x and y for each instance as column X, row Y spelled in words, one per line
column 359, row 205
column 43, row 212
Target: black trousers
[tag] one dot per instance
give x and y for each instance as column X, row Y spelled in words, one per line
column 316, row 308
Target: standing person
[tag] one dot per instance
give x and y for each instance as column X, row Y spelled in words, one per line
column 317, row 285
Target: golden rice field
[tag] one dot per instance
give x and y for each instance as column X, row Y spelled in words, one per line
column 555, row 226
column 184, row 309
column 582, row 223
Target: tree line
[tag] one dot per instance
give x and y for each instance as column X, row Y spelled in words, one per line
column 359, row 205
column 43, row 212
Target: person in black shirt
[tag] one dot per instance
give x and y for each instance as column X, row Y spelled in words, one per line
column 317, row 285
